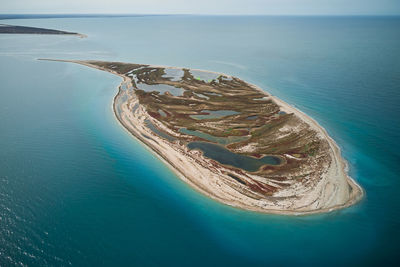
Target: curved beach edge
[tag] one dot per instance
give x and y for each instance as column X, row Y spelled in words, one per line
column 356, row 192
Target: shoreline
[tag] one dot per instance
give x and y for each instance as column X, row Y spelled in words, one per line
column 339, row 166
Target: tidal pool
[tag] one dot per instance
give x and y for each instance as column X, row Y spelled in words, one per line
column 158, row 132
column 162, row 113
column 204, row 75
column 221, row 140
column 226, row 157
column 253, row 117
column 162, row 88
column 173, row 74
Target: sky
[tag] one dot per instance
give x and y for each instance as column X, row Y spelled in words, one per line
column 212, row 7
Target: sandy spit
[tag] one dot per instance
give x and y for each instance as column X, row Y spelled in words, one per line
column 336, row 190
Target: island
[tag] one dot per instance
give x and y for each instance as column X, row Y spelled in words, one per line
column 232, row 141
column 12, row 29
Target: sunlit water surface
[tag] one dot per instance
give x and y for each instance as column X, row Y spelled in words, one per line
column 76, row 188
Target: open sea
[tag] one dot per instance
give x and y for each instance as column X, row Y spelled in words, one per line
column 77, row 189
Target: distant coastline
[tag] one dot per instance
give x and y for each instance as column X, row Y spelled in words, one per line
column 13, row 29
column 72, row 16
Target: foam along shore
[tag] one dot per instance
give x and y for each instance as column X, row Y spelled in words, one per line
column 333, row 190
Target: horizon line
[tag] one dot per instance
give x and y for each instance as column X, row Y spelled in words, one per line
column 196, row 14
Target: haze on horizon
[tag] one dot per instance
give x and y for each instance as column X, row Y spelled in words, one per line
column 211, row 7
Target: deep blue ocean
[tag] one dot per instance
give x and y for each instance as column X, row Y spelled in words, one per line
column 77, row 189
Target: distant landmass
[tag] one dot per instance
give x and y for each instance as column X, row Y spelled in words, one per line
column 12, row 29
column 50, row 16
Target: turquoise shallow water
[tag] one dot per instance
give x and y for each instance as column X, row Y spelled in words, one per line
column 76, row 189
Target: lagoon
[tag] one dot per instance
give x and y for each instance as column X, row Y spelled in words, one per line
column 226, row 157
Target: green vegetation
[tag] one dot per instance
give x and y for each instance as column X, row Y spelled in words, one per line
column 269, row 131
